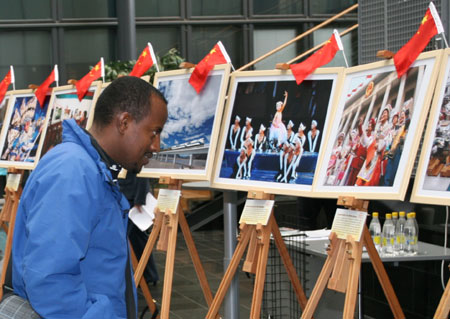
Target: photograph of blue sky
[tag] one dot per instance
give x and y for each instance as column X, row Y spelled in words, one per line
column 191, row 115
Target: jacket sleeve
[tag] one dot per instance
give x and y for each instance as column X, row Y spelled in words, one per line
column 61, row 213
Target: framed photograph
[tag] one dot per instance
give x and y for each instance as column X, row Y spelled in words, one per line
column 432, row 181
column 376, row 129
column 273, row 130
column 189, row 137
column 20, row 139
column 64, row 105
column 3, row 108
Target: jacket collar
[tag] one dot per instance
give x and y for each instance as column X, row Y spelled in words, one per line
column 72, row 132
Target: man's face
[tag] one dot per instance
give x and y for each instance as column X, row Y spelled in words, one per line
column 141, row 139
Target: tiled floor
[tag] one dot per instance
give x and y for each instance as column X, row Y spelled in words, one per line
column 187, row 299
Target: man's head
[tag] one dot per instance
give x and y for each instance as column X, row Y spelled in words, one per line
column 129, row 117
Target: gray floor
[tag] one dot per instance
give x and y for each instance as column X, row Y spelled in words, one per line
column 187, row 299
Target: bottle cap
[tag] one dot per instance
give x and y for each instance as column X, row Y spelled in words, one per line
column 375, row 214
column 413, row 214
column 409, row 215
column 388, row 216
column 395, row 214
column 402, row 214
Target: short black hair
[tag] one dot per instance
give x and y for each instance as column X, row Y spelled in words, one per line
column 125, row 94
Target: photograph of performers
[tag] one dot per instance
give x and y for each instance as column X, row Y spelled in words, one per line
column 25, row 123
column 280, row 124
column 66, row 105
column 193, row 125
column 367, row 146
column 435, row 171
column 3, row 107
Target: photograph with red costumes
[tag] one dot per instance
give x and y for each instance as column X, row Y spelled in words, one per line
column 432, row 182
column 376, row 128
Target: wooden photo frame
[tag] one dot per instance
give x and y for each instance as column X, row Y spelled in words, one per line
column 376, row 129
column 432, row 181
column 4, row 108
column 268, row 142
column 21, row 136
column 64, row 104
column 189, row 137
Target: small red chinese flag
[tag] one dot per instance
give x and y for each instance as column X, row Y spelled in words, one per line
column 41, row 91
column 430, row 26
column 218, row 55
column 321, row 57
column 84, row 84
column 144, row 62
column 4, row 84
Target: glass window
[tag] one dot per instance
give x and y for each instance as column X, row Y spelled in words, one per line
column 25, row 9
column 265, row 40
column 162, row 39
column 277, row 7
column 89, row 8
column 324, row 34
column 80, row 54
column 216, row 8
column 30, row 52
column 330, row 6
column 157, row 8
column 204, row 39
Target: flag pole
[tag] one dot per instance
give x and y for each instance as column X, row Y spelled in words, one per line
column 56, row 74
column 153, row 56
column 340, row 45
column 102, row 65
column 437, row 22
column 445, row 40
column 13, row 78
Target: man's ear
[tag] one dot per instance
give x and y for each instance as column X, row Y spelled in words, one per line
column 123, row 122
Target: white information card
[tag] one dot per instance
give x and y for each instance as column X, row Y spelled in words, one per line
column 349, row 222
column 168, row 200
column 256, row 211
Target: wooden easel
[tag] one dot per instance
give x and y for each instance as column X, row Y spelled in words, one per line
column 144, row 287
column 257, row 237
column 8, row 217
column 443, row 308
column 166, row 227
column 344, row 263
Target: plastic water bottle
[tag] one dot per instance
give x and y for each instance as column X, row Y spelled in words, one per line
column 388, row 236
column 399, row 246
column 395, row 218
column 416, row 225
column 375, row 231
column 410, row 236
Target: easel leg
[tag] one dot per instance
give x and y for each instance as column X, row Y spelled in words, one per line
column 382, row 276
column 323, row 278
column 444, row 305
column 170, row 260
column 352, row 287
column 251, row 260
column 148, row 248
column 201, row 275
column 287, row 261
column 147, row 295
column 229, row 273
column 263, row 243
column 14, row 204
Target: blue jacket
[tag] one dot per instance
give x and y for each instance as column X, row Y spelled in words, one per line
column 70, row 242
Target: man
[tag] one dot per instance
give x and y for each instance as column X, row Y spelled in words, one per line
column 70, row 252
